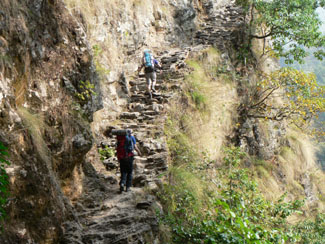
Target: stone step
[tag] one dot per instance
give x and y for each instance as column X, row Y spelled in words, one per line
column 138, row 126
column 140, row 107
column 146, row 118
column 121, row 235
column 143, row 88
column 130, row 115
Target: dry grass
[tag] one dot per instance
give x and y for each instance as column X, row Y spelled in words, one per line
column 35, row 125
column 295, row 164
column 209, row 130
column 73, row 187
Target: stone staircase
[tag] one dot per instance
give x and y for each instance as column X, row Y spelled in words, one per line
column 103, row 215
column 221, row 26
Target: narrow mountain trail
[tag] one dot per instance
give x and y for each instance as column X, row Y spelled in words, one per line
column 106, row 216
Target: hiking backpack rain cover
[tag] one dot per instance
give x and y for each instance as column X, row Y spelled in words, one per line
column 125, row 146
column 148, row 63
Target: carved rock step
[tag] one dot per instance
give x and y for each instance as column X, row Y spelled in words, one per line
column 130, row 235
column 140, row 117
column 130, row 115
column 140, row 107
column 150, row 112
column 140, row 126
column 147, row 100
column 141, row 180
column 153, row 147
column 143, row 87
column 157, row 161
column 143, row 82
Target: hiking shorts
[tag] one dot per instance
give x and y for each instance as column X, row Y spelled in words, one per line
column 150, row 77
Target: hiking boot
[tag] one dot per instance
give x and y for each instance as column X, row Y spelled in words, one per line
column 121, row 188
column 127, row 189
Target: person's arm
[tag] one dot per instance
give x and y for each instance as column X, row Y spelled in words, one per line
column 136, row 146
column 137, row 149
column 157, row 66
column 140, row 67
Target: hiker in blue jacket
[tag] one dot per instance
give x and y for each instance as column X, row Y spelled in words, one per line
column 126, row 144
column 150, row 65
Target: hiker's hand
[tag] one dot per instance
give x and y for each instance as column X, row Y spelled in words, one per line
column 138, row 151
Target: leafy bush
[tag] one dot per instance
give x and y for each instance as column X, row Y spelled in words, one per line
column 195, row 85
column 86, row 90
column 234, row 213
column 292, row 26
column 100, row 69
column 3, row 181
column 302, row 98
column 106, row 152
column 312, row 232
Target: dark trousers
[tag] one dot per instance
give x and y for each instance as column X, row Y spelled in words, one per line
column 126, row 167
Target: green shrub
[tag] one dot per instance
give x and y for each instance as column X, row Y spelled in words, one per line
column 195, row 85
column 100, row 69
column 86, row 90
column 234, row 213
column 106, row 152
column 312, row 232
column 4, row 183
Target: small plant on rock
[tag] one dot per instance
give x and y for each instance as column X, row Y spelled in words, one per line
column 86, row 90
column 3, row 181
column 106, row 152
column 100, row 69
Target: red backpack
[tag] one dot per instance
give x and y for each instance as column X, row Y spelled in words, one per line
column 121, row 148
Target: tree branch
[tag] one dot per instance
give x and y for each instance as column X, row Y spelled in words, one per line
column 261, row 101
column 262, row 37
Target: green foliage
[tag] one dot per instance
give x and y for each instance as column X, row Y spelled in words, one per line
column 4, row 183
column 184, row 196
column 100, row 69
column 291, row 24
column 86, row 90
column 194, row 85
column 312, row 232
column 243, row 53
column 106, row 152
column 198, row 98
column 179, row 145
column 311, row 65
column 302, row 98
column 321, row 155
column 235, row 213
column 316, row 66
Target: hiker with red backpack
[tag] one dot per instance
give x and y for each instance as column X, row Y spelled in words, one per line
column 150, row 65
column 126, row 144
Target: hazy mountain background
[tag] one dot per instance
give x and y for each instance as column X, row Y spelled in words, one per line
column 316, row 66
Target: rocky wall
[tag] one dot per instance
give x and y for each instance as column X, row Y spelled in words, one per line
column 44, row 57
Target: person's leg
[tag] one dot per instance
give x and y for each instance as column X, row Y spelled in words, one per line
column 153, row 78
column 123, row 169
column 129, row 173
column 148, row 79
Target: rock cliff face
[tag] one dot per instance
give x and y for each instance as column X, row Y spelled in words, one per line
column 44, row 57
column 67, row 74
